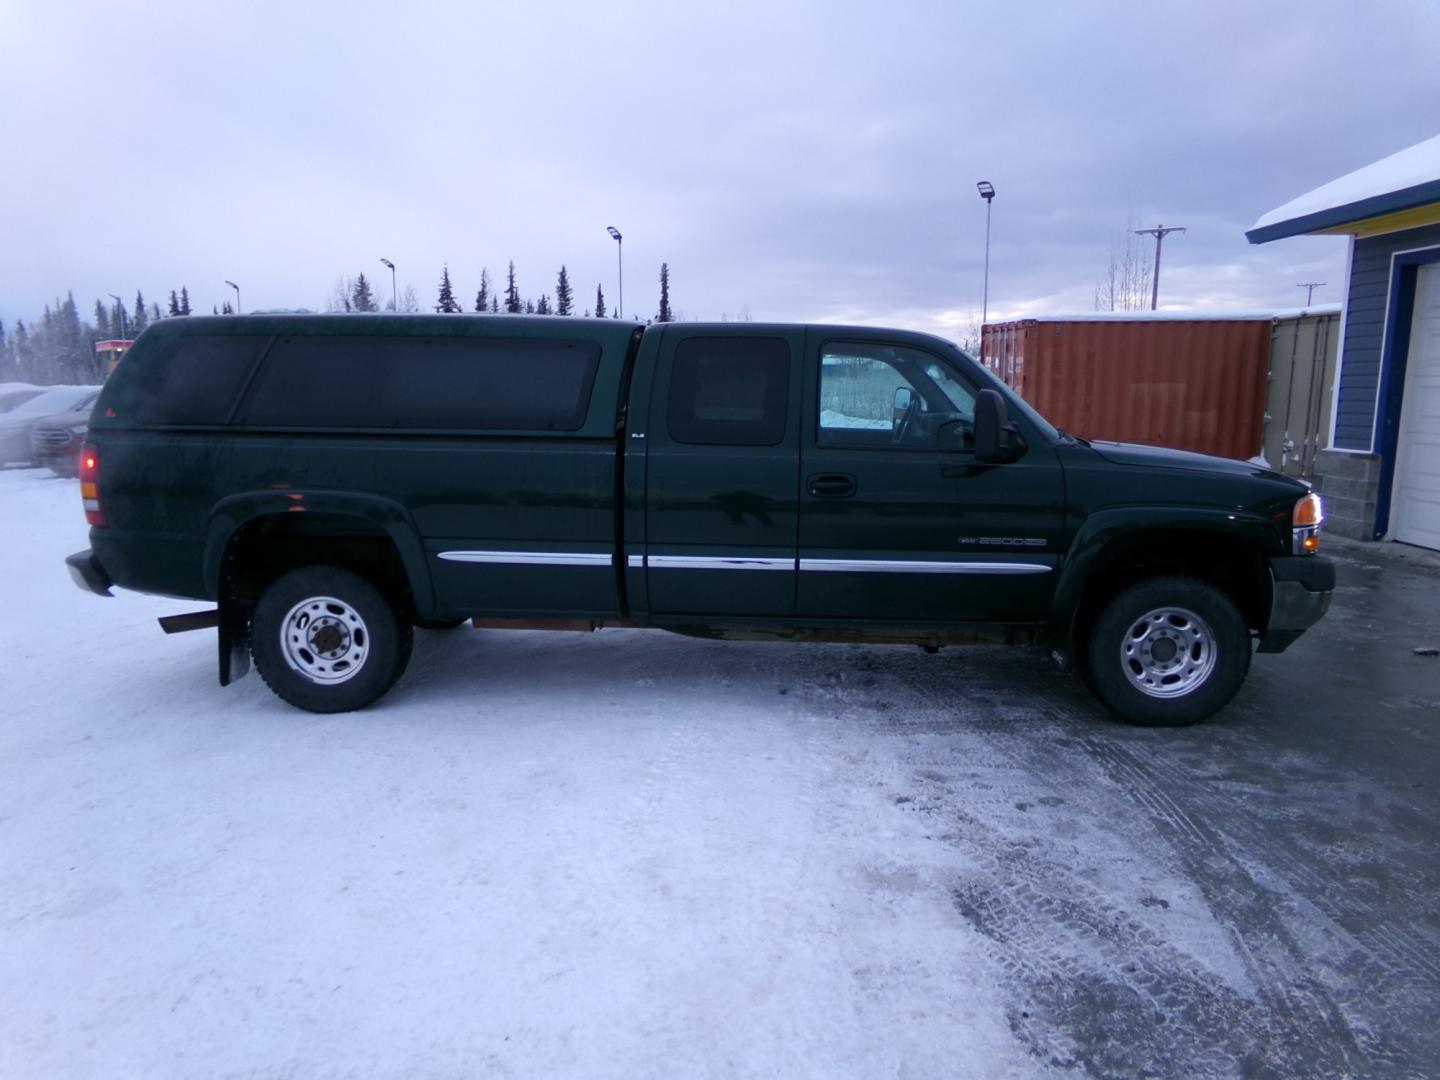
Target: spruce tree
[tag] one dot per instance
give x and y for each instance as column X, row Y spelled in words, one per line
column 563, row 299
column 184, row 301
column 141, row 318
column 543, row 308
column 24, row 351
column 362, row 299
column 665, row 314
column 74, row 350
column 447, row 302
column 154, row 312
column 226, row 309
column 512, row 294
column 482, row 298
column 599, row 302
column 174, row 304
column 102, row 322
column 529, row 307
column 494, row 304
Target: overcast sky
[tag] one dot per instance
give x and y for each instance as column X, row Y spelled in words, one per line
column 795, row 161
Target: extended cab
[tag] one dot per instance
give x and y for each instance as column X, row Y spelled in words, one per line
column 331, row 481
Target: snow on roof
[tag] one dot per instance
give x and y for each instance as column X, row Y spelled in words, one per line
column 1409, row 178
column 1182, row 316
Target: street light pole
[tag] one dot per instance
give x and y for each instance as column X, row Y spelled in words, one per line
column 237, row 295
column 120, row 307
column 394, row 296
column 987, row 192
column 620, row 264
column 1159, row 232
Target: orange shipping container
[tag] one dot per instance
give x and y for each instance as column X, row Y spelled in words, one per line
column 1178, row 380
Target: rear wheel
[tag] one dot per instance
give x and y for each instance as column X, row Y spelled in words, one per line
column 327, row 641
column 1168, row 652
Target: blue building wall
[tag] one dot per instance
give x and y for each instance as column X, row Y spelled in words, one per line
column 1368, row 308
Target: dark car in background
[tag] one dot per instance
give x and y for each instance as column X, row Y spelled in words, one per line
column 17, row 424
column 56, row 440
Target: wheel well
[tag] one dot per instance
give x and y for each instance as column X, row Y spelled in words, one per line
column 1229, row 564
column 266, row 547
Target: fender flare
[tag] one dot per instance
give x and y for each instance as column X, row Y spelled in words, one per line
column 1104, row 526
column 234, row 512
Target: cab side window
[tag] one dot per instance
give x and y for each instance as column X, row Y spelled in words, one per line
column 875, row 395
column 729, row 392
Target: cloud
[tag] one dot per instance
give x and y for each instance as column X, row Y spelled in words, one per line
column 799, row 161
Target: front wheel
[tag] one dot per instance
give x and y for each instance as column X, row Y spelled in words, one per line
column 327, row 641
column 1168, row 652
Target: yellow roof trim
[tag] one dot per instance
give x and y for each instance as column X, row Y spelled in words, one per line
column 1400, row 220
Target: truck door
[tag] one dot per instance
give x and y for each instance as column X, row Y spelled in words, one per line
column 892, row 527
column 722, row 472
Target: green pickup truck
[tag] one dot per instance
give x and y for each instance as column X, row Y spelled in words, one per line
column 330, row 482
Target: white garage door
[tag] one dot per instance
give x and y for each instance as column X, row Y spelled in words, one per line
column 1415, row 497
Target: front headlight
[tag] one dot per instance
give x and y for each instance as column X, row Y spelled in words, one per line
column 1305, row 521
column 79, row 429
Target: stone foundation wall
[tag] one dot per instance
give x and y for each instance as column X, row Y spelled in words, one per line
column 1349, row 484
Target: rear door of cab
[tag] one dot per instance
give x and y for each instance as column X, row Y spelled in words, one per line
column 721, row 434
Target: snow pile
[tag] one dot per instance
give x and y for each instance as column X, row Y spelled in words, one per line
column 1412, row 167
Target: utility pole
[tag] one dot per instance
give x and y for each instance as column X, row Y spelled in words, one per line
column 1159, row 232
column 1312, row 286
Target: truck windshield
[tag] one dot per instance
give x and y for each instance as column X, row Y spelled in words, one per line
column 1012, row 399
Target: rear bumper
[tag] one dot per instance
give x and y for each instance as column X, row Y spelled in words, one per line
column 1302, row 587
column 87, row 573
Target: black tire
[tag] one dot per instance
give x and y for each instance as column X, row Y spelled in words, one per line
column 439, row 624
column 1146, row 681
column 308, row 609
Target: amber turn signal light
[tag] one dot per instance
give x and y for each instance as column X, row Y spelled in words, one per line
column 1308, row 511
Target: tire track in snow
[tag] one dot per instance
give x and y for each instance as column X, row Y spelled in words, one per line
column 1355, row 1012
column 1099, row 987
column 1399, row 950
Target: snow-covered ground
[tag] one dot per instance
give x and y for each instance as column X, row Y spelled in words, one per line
column 620, row 855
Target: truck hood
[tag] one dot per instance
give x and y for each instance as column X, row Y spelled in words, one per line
column 1119, row 453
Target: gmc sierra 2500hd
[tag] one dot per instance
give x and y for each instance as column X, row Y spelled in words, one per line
column 332, row 481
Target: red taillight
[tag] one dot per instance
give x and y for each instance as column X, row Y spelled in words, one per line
column 90, row 484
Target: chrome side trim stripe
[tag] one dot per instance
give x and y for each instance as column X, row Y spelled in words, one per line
column 718, row 562
column 529, row 558
column 743, row 562
column 911, row 566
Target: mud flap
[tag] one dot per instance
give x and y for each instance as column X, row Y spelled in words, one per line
column 233, row 635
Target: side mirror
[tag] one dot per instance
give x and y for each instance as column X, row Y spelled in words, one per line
column 904, row 400
column 997, row 441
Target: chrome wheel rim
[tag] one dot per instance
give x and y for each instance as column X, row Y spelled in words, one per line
column 1168, row 652
column 325, row 640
